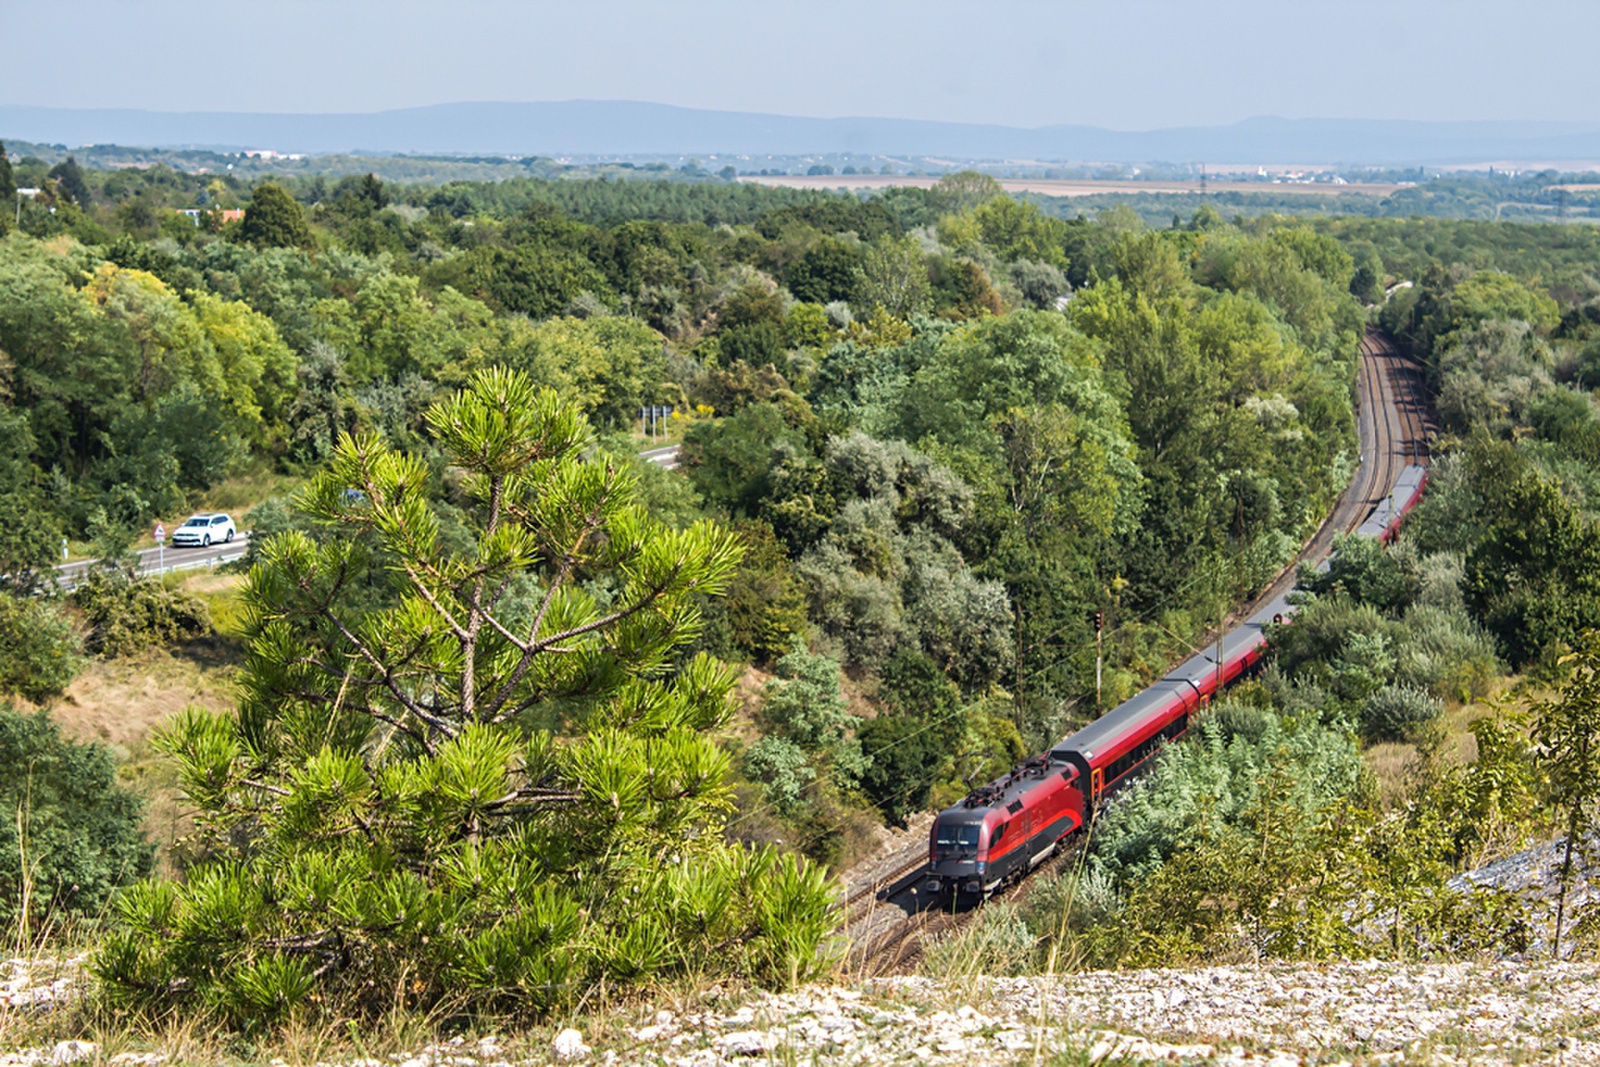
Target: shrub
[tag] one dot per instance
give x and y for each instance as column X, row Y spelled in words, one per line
column 1391, row 713
column 783, row 768
column 1446, row 653
column 39, row 648
column 127, row 614
column 71, row 834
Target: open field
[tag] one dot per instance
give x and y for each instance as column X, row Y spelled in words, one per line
column 1068, row 186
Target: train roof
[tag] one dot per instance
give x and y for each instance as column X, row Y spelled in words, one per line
column 1402, row 495
column 1114, row 723
column 1009, row 790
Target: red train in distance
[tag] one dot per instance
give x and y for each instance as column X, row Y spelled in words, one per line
column 1003, row 830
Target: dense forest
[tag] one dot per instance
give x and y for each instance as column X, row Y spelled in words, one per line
column 489, row 655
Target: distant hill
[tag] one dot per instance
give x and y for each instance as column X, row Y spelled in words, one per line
column 590, row 127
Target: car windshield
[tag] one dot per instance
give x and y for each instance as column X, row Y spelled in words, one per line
column 196, row 521
column 957, row 835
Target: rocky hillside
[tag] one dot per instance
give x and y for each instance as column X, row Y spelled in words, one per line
column 1365, row 1013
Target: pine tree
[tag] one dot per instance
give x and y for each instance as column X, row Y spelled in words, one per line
column 69, row 178
column 274, row 220
column 469, row 763
column 8, row 182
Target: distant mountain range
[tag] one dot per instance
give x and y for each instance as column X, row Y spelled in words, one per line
column 591, row 127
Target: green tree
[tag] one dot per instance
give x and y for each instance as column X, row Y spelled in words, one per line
column 1567, row 732
column 894, row 276
column 72, row 835
column 69, row 179
column 609, row 365
column 40, row 650
column 492, row 793
column 275, row 220
column 963, row 190
column 8, row 182
column 1534, row 578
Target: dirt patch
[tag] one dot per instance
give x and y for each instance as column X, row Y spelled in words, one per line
column 120, row 701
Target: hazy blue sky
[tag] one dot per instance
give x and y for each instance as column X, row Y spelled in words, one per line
column 1127, row 64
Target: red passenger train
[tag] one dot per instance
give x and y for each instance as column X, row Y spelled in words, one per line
column 1006, row 828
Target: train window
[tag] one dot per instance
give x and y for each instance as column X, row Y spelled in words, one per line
column 957, row 835
column 998, row 835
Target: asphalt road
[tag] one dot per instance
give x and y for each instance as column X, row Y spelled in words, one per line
column 666, row 457
column 151, row 561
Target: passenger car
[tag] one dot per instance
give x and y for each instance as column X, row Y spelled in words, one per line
column 202, row 530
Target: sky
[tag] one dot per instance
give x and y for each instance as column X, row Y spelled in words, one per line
column 1120, row 64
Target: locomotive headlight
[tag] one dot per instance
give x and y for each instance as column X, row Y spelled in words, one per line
column 981, row 866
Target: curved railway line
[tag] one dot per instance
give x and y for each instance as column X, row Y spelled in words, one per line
column 888, row 917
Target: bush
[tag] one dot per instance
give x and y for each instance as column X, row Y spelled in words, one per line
column 39, row 648
column 71, row 835
column 127, row 614
column 1393, row 712
column 1447, row 654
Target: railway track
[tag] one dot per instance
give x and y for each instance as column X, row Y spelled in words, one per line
column 888, row 919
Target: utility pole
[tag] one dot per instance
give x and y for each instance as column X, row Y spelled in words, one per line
column 1098, row 618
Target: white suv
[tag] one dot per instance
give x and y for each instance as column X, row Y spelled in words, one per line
column 203, row 530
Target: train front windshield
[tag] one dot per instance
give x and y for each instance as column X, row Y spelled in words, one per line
column 957, row 835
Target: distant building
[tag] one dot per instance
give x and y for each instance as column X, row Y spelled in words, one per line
column 232, row 214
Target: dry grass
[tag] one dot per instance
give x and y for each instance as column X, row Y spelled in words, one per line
column 119, row 701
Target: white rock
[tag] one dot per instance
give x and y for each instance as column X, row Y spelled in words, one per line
column 747, row 1042
column 73, row 1051
column 568, row 1047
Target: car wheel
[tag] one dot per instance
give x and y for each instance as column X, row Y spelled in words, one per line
column 205, row 542
column 230, row 537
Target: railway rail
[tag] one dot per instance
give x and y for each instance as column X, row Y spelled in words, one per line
column 888, row 918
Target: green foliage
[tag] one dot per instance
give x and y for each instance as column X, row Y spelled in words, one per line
column 1216, row 781
column 903, row 757
column 804, row 703
column 893, row 276
column 8, row 183
column 1365, row 571
column 68, row 177
column 783, row 768
column 1534, row 578
column 1567, row 731
column 128, row 615
column 274, row 220
column 887, row 574
column 491, row 787
column 766, row 605
column 72, row 833
column 1261, row 843
column 1396, row 712
column 40, row 650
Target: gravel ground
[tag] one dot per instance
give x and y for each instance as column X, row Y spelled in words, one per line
column 1357, row 1014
